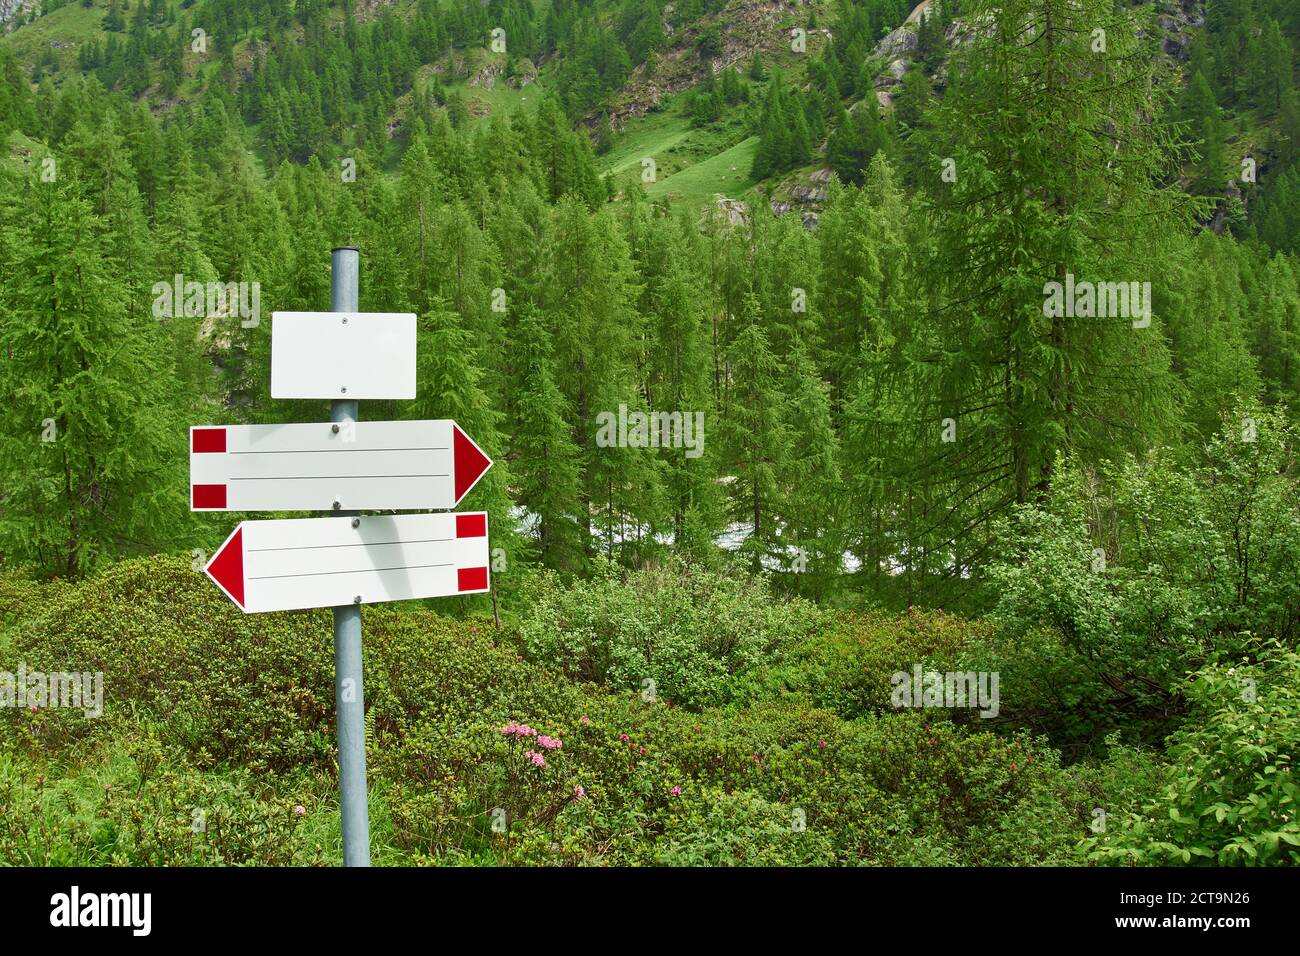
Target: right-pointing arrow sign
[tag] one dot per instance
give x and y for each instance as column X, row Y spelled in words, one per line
column 353, row 466
column 326, row 562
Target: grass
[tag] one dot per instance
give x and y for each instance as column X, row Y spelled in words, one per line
column 691, row 163
column 727, row 173
column 651, row 135
column 501, row 98
column 69, row 26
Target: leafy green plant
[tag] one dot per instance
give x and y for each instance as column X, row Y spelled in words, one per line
column 1230, row 796
column 686, row 629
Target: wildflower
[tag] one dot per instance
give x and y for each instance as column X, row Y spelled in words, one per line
column 579, row 792
column 676, row 791
column 623, row 737
column 821, row 744
column 641, row 751
column 34, row 708
column 1013, row 766
column 300, row 809
column 584, row 719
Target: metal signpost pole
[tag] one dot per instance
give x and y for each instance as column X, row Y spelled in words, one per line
column 349, row 699
column 338, row 561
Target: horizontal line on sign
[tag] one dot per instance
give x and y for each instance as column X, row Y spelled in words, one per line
column 324, row 477
column 358, row 544
column 328, row 451
column 321, row 574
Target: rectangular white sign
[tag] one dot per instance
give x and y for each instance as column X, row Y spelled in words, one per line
column 361, row 466
column 343, row 355
column 299, row 563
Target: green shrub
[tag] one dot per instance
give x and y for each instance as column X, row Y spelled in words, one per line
column 143, row 806
column 256, row 689
column 1229, row 796
column 243, row 711
column 737, row 829
column 1148, row 569
column 847, row 668
column 686, row 629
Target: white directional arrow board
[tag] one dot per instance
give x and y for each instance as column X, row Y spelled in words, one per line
column 343, row 355
column 361, row 466
column 326, row 562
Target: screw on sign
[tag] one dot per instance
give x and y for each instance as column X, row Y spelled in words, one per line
column 343, row 466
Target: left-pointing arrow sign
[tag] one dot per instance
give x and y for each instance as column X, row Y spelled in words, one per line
column 326, row 562
column 353, row 466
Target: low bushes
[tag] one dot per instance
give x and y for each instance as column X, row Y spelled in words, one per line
column 679, row 633
column 480, row 753
column 1229, row 795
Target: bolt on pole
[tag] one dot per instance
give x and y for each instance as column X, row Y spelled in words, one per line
column 349, row 698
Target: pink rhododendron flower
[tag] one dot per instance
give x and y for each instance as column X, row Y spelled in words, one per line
column 623, row 737
column 537, row 759
column 300, row 809
column 519, row 730
column 821, row 744
column 676, row 791
column 584, row 719
column 579, row 792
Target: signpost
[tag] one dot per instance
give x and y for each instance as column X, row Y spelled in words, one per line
column 328, row 467
column 343, row 466
column 343, row 353
column 327, row 562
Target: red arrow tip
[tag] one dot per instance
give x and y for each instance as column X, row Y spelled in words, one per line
column 227, row 567
column 470, row 464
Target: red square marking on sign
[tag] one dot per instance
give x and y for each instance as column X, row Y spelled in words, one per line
column 207, row 440
column 209, row 496
column 471, row 579
column 471, row 526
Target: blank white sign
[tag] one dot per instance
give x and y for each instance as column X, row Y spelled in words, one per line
column 362, row 466
column 326, row 562
column 343, row 355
